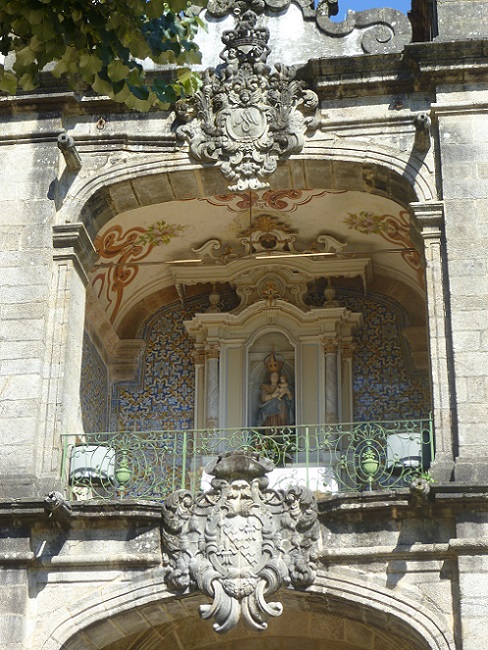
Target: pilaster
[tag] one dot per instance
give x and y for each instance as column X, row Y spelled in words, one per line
column 60, row 411
column 429, row 218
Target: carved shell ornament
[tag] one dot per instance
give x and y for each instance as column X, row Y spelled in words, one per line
column 239, row 542
column 247, row 116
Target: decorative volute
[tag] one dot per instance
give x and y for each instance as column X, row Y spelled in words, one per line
column 281, row 268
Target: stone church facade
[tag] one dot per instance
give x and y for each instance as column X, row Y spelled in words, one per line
column 244, row 344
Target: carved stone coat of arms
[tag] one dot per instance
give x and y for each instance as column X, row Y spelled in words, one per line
column 239, row 542
column 246, row 115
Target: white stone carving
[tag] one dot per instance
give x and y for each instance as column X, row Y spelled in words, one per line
column 239, row 542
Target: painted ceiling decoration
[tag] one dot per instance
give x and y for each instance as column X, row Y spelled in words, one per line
column 120, row 254
column 281, row 200
column 392, row 228
column 138, row 260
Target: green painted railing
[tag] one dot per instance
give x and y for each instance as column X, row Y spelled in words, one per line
column 326, row 457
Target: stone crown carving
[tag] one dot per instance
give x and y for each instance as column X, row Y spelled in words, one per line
column 239, row 542
column 379, row 31
column 246, row 115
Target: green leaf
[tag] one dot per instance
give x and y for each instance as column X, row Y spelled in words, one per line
column 24, row 57
column 155, row 8
column 8, row 82
column 102, row 87
column 28, row 81
column 100, row 43
column 140, row 92
column 117, row 70
column 164, row 91
column 90, row 64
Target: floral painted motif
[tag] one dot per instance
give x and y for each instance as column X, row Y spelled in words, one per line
column 265, row 223
column 160, row 233
column 394, row 229
column 119, row 256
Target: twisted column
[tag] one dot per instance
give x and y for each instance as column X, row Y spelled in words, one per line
column 212, row 352
column 331, row 346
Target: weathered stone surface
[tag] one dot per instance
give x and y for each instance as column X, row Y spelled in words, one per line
column 392, row 571
column 225, row 541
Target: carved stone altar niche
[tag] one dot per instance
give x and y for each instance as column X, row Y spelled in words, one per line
column 272, row 307
column 240, row 542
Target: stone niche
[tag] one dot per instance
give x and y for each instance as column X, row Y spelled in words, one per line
column 231, row 348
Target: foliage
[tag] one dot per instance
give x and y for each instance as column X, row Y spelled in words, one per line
column 160, row 233
column 427, row 476
column 100, row 43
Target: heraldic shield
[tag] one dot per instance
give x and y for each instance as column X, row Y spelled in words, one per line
column 247, row 116
column 239, row 542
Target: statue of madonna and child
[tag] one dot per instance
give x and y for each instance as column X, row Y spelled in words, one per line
column 277, row 406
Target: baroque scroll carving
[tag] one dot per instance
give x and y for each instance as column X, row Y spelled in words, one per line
column 246, row 115
column 379, row 31
column 239, row 542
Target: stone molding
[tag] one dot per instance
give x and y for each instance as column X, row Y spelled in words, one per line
column 72, row 242
column 429, row 220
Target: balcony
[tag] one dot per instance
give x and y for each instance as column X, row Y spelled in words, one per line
column 327, row 458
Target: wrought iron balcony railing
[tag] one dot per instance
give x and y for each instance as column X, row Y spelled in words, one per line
column 326, row 457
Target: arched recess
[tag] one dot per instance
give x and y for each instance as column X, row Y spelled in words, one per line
column 346, row 166
column 349, row 165
column 341, row 609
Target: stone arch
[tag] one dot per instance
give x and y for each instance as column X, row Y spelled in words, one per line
column 349, row 165
column 119, row 612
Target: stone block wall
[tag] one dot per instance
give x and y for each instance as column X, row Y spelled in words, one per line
column 463, row 149
column 28, row 166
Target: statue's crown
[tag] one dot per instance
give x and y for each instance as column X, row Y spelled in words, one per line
column 274, row 362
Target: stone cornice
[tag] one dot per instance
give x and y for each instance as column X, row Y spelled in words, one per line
column 419, row 68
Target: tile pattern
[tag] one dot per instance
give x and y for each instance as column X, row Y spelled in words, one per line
column 386, row 386
column 94, row 388
column 164, row 395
